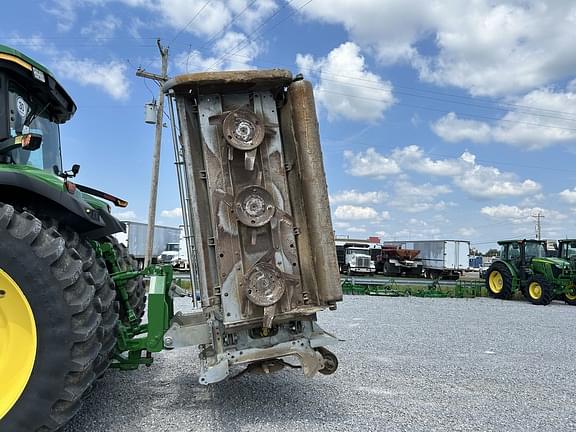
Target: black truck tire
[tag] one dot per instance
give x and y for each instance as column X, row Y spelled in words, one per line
column 499, row 281
column 539, row 290
column 105, row 296
column 134, row 287
column 47, row 276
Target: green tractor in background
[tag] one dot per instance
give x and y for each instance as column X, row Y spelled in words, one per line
column 59, row 304
column 524, row 265
column 567, row 251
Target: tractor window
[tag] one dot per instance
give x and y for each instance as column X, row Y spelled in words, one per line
column 535, row 250
column 513, row 251
column 48, row 154
column 568, row 250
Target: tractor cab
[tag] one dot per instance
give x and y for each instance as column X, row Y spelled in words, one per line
column 521, row 252
column 567, row 249
column 32, row 105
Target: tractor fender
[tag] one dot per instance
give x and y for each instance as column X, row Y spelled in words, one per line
column 21, row 189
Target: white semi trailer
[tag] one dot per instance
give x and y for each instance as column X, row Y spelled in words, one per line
column 135, row 239
column 440, row 258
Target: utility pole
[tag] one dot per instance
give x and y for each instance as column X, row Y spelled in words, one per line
column 162, row 78
column 538, row 216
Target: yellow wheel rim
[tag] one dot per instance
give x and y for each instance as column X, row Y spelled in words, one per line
column 571, row 296
column 535, row 290
column 17, row 342
column 496, row 282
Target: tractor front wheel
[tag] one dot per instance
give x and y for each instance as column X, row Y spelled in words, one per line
column 539, row 290
column 499, row 281
column 48, row 325
column 570, row 297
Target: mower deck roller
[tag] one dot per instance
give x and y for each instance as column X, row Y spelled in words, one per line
column 259, row 221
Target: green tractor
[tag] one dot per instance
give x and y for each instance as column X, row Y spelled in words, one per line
column 72, row 299
column 525, row 266
column 59, row 305
column 567, row 251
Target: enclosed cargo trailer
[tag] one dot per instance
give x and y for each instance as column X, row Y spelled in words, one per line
column 440, row 258
column 135, row 239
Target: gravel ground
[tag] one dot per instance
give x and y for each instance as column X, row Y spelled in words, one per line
column 408, row 364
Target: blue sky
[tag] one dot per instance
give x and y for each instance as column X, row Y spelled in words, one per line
column 443, row 119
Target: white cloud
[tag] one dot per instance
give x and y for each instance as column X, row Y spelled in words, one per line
column 64, row 11
column 136, row 24
column 467, row 231
column 413, row 158
column 109, row 76
column 370, row 164
column 453, row 129
column 252, row 13
column 519, row 214
column 413, row 198
column 126, row 215
column 568, row 195
column 338, row 90
column 478, row 181
column 350, row 212
column 102, row 30
column 341, row 225
column 174, row 213
column 356, row 197
column 208, row 18
column 550, row 122
column 234, row 51
column 356, row 229
column 485, row 47
column 489, row 182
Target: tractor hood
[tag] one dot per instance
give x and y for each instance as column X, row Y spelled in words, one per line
column 558, row 262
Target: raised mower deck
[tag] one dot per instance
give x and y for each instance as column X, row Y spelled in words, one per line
column 256, row 210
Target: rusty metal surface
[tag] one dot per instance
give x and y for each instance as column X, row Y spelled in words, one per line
column 250, row 207
column 259, row 211
column 314, row 189
column 229, row 81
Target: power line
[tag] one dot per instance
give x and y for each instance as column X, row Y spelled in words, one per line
column 191, row 21
column 259, row 33
column 470, row 116
column 496, row 105
column 221, row 32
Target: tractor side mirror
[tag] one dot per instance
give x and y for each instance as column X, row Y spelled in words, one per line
column 67, row 174
column 28, row 142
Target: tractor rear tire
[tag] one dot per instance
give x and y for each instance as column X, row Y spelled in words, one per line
column 540, row 291
column 105, row 297
column 499, row 281
column 134, row 287
column 49, row 365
